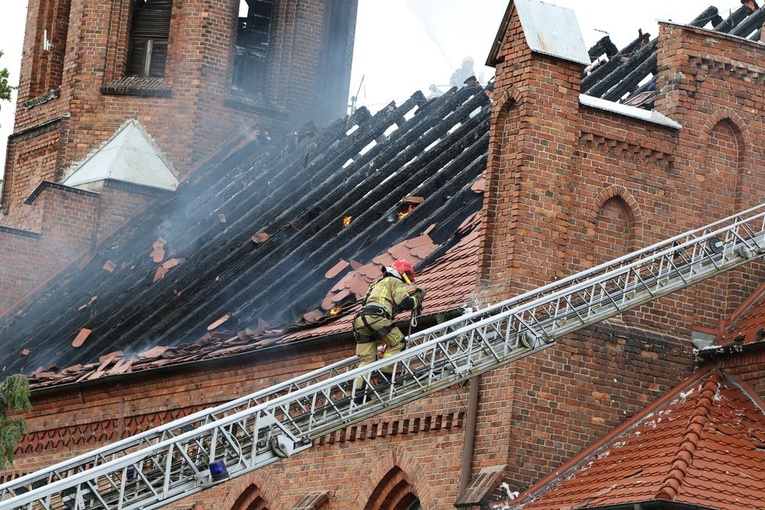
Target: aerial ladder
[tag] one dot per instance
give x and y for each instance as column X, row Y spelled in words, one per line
column 190, row 454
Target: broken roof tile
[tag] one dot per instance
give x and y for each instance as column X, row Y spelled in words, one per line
column 158, row 250
column 109, row 266
column 159, row 273
column 123, row 366
column 479, row 186
column 259, row 237
column 219, row 322
column 313, row 316
column 154, row 352
column 171, row 263
column 108, row 358
column 412, row 199
column 336, row 269
column 81, row 337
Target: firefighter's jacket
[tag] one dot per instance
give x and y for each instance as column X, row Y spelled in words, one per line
column 391, row 294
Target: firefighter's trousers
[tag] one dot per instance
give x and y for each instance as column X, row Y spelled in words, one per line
column 366, row 343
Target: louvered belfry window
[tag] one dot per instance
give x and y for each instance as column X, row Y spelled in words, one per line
column 149, row 32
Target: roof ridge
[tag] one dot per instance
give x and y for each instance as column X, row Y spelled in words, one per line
column 691, row 438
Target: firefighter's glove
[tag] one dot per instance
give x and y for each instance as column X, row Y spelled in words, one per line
column 419, row 295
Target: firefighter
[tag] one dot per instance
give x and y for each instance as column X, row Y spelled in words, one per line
column 373, row 324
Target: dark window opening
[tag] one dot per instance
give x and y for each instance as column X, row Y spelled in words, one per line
column 252, row 39
column 149, row 32
column 50, row 48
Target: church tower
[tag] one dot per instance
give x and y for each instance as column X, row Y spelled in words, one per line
column 160, row 81
column 191, row 72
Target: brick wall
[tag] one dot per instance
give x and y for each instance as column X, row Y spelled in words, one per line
column 68, row 218
column 572, row 186
column 423, row 440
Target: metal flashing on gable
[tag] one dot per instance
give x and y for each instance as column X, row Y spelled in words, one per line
column 129, row 156
column 552, row 30
column 629, row 111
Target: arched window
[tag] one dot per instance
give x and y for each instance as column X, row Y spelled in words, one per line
column 394, row 492
column 250, row 499
column 613, row 230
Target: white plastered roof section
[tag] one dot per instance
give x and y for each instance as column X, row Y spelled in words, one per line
column 129, row 156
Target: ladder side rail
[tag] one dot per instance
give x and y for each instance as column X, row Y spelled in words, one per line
column 160, row 433
column 693, row 241
column 745, row 217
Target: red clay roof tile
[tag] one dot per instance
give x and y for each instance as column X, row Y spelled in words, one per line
column 336, row 269
column 693, row 447
column 220, row 321
column 81, row 337
column 158, row 250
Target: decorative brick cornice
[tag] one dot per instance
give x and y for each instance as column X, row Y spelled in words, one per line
column 383, row 428
column 138, row 86
column 625, row 148
column 19, row 232
column 728, row 70
column 108, row 431
column 30, row 132
column 99, row 432
column 55, row 185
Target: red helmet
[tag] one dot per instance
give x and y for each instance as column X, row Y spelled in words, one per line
column 404, row 268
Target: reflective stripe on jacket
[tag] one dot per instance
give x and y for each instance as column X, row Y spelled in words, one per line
column 391, row 293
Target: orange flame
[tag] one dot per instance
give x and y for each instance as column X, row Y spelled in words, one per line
column 403, row 214
column 335, row 310
column 347, row 221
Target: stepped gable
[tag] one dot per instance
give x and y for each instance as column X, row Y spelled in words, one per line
column 698, row 447
column 243, row 248
column 628, row 75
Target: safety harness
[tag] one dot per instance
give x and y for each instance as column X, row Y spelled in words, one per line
column 373, row 310
column 377, row 333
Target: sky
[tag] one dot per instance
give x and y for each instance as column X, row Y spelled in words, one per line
column 407, row 45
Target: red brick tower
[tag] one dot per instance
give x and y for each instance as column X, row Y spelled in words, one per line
column 190, row 73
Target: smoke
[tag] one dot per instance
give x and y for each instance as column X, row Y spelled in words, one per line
column 404, row 46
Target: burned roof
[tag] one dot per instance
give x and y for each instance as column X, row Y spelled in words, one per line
column 244, row 247
column 706, row 433
column 629, row 75
column 249, row 239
